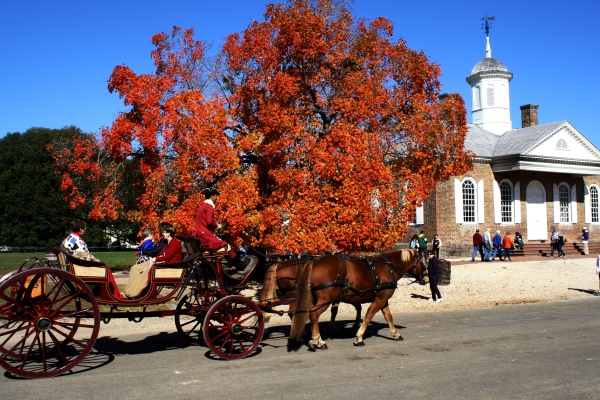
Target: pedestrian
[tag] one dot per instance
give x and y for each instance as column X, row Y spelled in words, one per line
column 477, row 241
column 487, row 245
column 598, row 273
column 433, row 273
column 423, row 247
column 507, row 245
column 437, row 243
column 414, row 242
column 519, row 241
column 497, row 246
column 585, row 236
column 553, row 243
column 559, row 245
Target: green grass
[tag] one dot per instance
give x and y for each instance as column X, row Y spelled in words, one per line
column 116, row 260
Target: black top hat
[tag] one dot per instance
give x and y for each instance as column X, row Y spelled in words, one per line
column 207, row 192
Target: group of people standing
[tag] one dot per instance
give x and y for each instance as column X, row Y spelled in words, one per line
column 488, row 247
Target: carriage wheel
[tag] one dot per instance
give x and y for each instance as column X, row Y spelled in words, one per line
column 191, row 312
column 233, row 327
column 49, row 321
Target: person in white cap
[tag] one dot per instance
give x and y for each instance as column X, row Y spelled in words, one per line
column 585, row 236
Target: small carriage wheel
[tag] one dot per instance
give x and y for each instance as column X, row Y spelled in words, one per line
column 49, row 321
column 233, row 327
column 191, row 311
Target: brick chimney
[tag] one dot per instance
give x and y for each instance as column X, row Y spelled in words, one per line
column 529, row 115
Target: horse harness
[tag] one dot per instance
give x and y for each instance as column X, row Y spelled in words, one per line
column 281, row 292
column 371, row 265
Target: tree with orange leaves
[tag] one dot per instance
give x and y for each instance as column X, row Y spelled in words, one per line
column 321, row 132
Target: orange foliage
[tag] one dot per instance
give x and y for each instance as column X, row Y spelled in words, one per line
column 321, row 132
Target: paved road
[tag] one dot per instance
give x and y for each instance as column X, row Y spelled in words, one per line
column 533, row 351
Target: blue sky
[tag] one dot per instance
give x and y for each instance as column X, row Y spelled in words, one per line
column 57, row 55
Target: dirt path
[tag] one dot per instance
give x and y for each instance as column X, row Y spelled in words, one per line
column 473, row 285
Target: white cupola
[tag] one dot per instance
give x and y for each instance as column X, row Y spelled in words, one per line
column 489, row 80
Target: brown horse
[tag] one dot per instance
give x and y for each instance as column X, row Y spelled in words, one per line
column 331, row 279
column 280, row 283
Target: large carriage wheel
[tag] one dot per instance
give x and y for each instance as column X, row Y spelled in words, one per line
column 191, row 312
column 49, row 321
column 233, row 327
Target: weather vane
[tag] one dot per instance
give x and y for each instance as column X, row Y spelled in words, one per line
column 487, row 24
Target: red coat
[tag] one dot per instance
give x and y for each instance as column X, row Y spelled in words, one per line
column 171, row 253
column 507, row 242
column 205, row 227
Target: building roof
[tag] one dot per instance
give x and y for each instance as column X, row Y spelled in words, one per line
column 517, row 141
column 489, row 64
column 480, row 141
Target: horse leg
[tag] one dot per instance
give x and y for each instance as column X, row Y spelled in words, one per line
column 371, row 311
column 357, row 321
column 316, row 342
column 387, row 314
column 334, row 311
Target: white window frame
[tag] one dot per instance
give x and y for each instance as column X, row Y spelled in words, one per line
column 591, row 206
column 478, row 199
column 559, row 211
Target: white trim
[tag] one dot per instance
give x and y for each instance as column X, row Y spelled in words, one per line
column 587, row 205
column 517, row 202
column 497, row 202
column 479, row 206
column 556, row 201
column 458, row 201
column 573, row 210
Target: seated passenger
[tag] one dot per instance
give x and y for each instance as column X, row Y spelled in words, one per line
column 171, row 254
column 146, row 245
column 76, row 247
column 205, row 231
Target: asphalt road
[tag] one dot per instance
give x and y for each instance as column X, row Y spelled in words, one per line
column 532, row 351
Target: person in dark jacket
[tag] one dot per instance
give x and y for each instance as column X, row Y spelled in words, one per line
column 434, row 273
column 477, row 243
column 497, row 245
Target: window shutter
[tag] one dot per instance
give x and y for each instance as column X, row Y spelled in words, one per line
column 517, row 199
column 497, row 203
column 556, row 201
column 419, row 212
column 458, row 201
column 587, row 204
column 573, row 204
column 480, row 208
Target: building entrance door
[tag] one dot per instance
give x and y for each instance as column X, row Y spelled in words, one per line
column 537, row 225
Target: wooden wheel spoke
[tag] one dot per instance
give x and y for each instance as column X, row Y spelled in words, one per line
column 21, row 343
column 72, row 324
column 58, row 348
column 66, row 300
column 58, row 289
column 33, row 342
column 12, row 331
column 71, row 339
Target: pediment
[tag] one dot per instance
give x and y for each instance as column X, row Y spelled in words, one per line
column 564, row 142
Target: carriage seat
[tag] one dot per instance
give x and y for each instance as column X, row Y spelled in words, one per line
column 87, row 270
column 239, row 275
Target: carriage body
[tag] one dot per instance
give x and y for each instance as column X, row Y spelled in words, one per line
column 51, row 309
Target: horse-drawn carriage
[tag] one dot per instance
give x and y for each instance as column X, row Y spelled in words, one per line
column 51, row 309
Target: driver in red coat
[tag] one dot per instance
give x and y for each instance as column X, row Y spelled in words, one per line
column 205, row 230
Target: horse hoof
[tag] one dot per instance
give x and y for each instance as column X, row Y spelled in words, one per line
column 359, row 344
column 312, row 347
column 324, row 347
column 399, row 338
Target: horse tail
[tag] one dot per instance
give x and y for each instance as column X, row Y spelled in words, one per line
column 303, row 303
column 269, row 291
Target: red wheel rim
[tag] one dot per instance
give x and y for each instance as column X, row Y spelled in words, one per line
column 233, row 327
column 191, row 311
column 49, row 321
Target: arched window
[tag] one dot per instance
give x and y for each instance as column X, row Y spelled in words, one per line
column 469, row 201
column 477, row 98
column 594, row 203
column 506, row 202
column 564, row 203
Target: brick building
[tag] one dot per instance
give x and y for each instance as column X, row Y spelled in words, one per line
column 529, row 180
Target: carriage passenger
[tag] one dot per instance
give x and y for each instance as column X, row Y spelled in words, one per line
column 76, row 247
column 205, row 231
column 171, row 254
